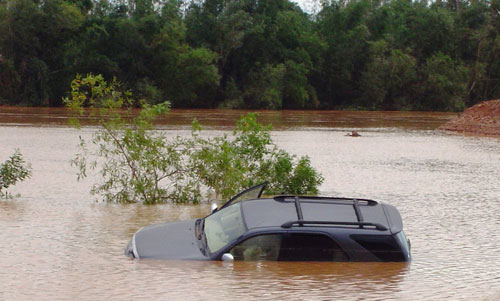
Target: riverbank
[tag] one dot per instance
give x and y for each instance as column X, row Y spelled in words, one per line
column 483, row 119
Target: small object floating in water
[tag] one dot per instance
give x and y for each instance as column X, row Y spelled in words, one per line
column 354, row 134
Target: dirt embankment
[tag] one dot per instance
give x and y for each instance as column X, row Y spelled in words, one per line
column 483, row 119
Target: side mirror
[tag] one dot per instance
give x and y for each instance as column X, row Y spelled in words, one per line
column 227, row 257
column 213, row 208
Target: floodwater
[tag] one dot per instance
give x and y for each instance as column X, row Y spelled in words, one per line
column 59, row 243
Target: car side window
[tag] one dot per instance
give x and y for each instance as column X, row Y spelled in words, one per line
column 262, row 247
column 289, row 247
column 311, row 247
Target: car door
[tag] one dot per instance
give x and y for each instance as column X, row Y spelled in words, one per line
column 289, row 246
column 258, row 247
column 251, row 193
column 309, row 246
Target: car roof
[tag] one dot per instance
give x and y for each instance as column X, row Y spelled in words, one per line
column 291, row 211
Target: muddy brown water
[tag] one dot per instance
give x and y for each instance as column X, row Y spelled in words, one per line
column 59, row 243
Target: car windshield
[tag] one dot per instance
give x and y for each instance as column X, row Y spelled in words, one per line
column 223, row 227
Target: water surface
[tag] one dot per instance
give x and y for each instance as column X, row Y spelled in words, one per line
column 59, row 243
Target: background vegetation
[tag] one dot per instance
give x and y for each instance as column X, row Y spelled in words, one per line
column 368, row 54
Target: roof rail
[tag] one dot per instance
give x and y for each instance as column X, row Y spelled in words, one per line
column 360, row 224
column 355, row 203
column 319, row 199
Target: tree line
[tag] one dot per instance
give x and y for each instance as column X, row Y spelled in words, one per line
column 358, row 54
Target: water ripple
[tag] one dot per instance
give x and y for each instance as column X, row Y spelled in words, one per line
column 60, row 244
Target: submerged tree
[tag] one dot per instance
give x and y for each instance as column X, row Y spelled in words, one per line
column 227, row 165
column 139, row 164
column 136, row 164
column 14, row 170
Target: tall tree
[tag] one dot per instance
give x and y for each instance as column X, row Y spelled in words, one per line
column 33, row 41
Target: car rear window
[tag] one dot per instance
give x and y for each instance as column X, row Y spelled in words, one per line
column 383, row 247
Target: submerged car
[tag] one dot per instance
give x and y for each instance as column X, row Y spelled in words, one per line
column 284, row 228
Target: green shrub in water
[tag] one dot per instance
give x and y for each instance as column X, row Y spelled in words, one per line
column 14, row 170
column 138, row 164
column 228, row 165
column 135, row 163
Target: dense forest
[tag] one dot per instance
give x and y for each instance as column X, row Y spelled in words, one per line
column 358, row 54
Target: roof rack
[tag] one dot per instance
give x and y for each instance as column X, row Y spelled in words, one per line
column 319, row 199
column 302, row 223
column 355, row 203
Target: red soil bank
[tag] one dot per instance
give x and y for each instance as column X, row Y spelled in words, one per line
column 483, row 118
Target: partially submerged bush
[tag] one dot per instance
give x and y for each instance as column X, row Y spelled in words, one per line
column 136, row 164
column 14, row 170
column 139, row 164
column 228, row 165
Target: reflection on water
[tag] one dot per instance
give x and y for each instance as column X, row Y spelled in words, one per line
column 59, row 243
column 283, row 280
